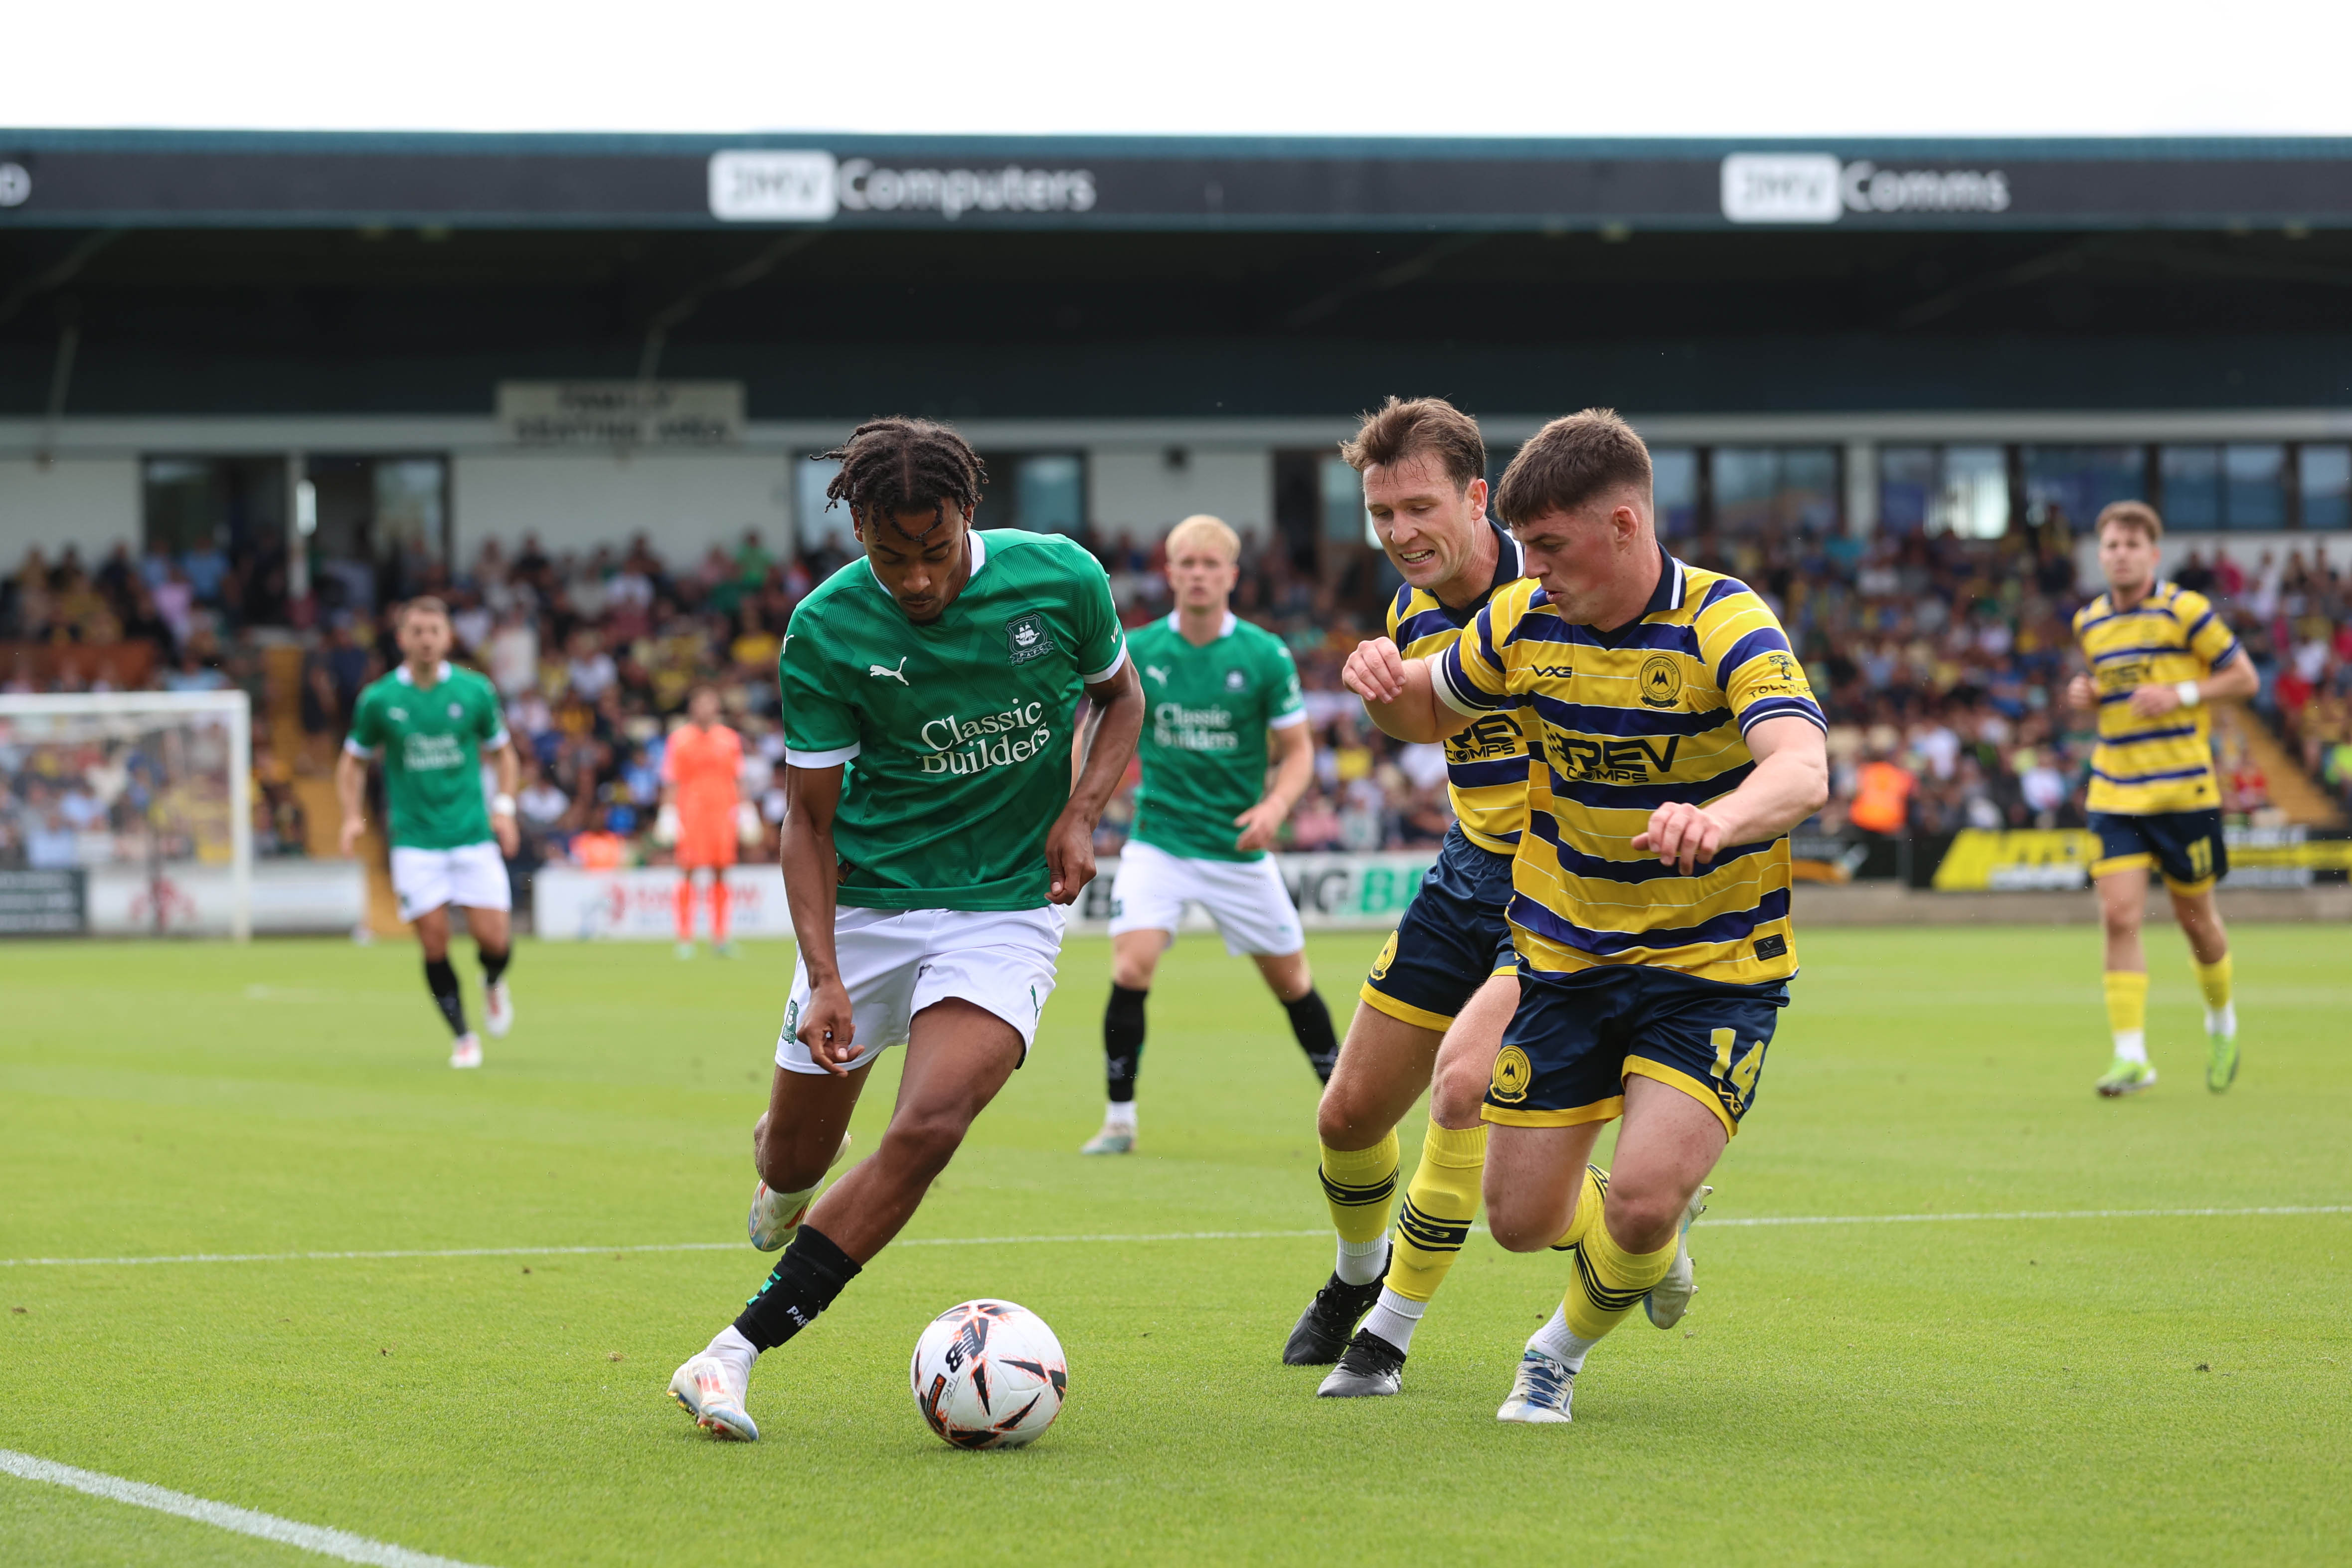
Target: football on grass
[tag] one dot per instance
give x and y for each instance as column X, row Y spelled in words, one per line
column 989, row 1375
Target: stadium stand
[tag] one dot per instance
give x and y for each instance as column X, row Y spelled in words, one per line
column 1940, row 661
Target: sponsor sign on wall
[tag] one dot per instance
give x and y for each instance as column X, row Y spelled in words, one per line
column 1333, row 892
column 290, row 898
column 621, row 413
column 41, row 903
column 2060, row 858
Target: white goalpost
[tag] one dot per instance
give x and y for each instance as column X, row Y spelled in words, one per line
column 127, row 813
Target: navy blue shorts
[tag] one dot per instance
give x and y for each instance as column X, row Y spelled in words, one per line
column 1452, row 941
column 1576, row 1038
column 2185, row 846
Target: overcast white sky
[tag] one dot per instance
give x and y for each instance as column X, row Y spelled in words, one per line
column 1514, row 67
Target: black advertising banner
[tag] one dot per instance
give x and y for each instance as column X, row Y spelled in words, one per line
column 42, row 903
column 157, row 179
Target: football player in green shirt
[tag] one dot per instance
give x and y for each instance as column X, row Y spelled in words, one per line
column 432, row 722
column 933, row 840
column 1215, row 689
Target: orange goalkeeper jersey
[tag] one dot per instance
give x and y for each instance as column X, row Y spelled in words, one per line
column 701, row 765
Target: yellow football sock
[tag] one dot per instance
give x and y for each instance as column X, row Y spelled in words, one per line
column 2128, row 1000
column 1609, row 1281
column 1438, row 1204
column 1589, row 1199
column 2214, row 979
column 1358, row 1183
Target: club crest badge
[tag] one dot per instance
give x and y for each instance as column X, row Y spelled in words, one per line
column 1027, row 637
column 1513, row 1073
column 1662, row 681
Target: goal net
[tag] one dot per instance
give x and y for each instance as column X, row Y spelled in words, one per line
column 126, row 814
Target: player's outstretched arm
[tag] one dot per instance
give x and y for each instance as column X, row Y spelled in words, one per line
column 1398, row 693
column 350, row 789
column 1790, row 783
column 1293, row 769
column 1070, row 847
column 509, row 767
column 2237, row 679
column 812, row 795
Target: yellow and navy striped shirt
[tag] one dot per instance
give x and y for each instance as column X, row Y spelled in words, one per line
column 1625, row 722
column 1486, row 765
column 2143, row 766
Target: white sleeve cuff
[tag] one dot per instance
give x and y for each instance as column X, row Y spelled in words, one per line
column 1109, row 669
column 831, row 759
column 1287, row 720
column 1443, row 687
column 501, row 739
column 364, row 754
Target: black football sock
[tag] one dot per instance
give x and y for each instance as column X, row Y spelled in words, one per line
column 1311, row 1022
column 805, row 1281
column 443, row 981
column 494, row 965
column 1123, row 1041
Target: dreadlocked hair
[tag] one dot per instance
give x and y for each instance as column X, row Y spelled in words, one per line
column 895, row 464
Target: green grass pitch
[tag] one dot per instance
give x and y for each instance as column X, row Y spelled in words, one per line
column 2044, row 1390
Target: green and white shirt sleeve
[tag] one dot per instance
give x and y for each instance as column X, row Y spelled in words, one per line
column 821, row 730
column 1284, row 706
column 1102, row 643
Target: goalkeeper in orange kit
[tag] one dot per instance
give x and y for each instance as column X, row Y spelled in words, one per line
column 700, row 807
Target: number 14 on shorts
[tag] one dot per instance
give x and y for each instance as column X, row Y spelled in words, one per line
column 1742, row 1077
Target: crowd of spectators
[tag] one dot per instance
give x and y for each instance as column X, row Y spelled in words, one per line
column 1940, row 662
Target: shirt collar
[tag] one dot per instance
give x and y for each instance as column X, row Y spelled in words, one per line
column 1225, row 627
column 406, row 679
column 1668, row 593
column 1510, row 566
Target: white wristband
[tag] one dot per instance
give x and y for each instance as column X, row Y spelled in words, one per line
column 2189, row 694
column 503, row 805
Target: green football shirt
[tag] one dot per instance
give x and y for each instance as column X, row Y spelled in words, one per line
column 432, row 741
column 956, row 734
column 1206, row 714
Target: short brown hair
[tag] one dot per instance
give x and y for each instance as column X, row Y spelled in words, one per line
column 1403, row 429
column 428, row 603
column 2135, row 514
column 1569, row 462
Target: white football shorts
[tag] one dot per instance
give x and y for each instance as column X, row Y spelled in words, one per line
column 1245, row 898
column 896, row 963
column 472, row 876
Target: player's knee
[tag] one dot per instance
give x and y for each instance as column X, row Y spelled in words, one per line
column 1643, row 1219
column 1457, row 1098
column 1515, row 1229
column 1341, row 1121
column 922, row 1141
column 788, row 1166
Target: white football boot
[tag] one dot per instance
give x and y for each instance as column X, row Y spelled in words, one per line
column 770, row 1223
column 467, row 1052
column 1540, row 1391
column 1670, row 1298
column 706, row 1386
column 1114, row 1138
column 497, row 1010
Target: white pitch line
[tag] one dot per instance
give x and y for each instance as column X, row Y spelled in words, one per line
column 326, row 1542
column 1138, row 1236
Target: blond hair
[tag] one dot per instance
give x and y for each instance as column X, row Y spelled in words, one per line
column 1203, row 529
column 2135, row 514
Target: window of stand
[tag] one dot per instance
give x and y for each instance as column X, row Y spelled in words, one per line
column 1959, row 490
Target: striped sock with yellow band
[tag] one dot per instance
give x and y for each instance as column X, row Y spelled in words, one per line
column 1609, row 1282
column 1438, row 1204
column 1358, row 1185
column 2128, row 1012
